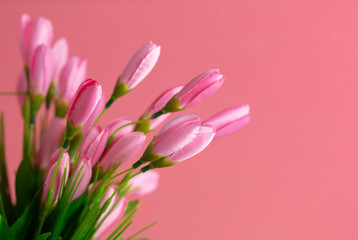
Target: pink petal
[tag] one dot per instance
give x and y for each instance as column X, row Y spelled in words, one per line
column 60, row 54
column 144, row 183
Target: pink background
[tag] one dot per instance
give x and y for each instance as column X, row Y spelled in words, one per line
column 292, row 172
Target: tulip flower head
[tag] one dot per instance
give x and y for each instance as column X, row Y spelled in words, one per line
column 115, row 124
column 60, row 54
column 230, row 120
column 144, row 183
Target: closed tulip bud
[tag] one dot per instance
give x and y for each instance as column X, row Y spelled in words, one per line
column 229, row 120
column 113, row 125
column 60, row 54
column 50, row 141
column 34, row 34
column 62, row 173
column 143, row 184
column 122, row 149
column 115, row 215
column 94, row 143
column 198, row 89
column 83, row 173
column 71, row 77
column 179, row 139
column 157, row 105
column 136, row 70
column 86, row 100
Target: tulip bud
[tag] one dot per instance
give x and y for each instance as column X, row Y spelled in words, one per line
column 229, row 120
column 113, row 125
column 157, row 105
column 179, row 139
column 86, row 100
column 41, row 72
column 122, row 149
column 198, row 89
column 60, row 54
column 144, row 184
column 136, row 70
column 61, row 173
column 83, row 173
column 34, row 34
column 96, row 112
column 115, row 215
column 94, row 143
column 50, row 141
column 71, row 77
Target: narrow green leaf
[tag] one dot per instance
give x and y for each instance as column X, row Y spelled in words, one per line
column 3, row 170
column 43, row 236
column 26, row 186
column 130, row 206
column 5, row 232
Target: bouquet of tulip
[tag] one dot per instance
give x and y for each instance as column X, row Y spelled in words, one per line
column 71, row 183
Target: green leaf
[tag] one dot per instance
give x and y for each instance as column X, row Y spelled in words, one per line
column 130, row 206
column 43, row 236
column 22, row 226
column 5, row 232
column 26, row 186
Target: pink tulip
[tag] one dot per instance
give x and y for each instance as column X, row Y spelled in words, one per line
column 115, row 215
column 92, row 118
column 140, row 65
column 156, row 106
column 71, row 77
column 122, row 149
column 50, row 141
column 144, row 184
column 34, row 34
column 113, row 125
column 94, row 143
column 60, row 54
column 62, row 172
column 84, row 173
column 229, row 120
column 180, row 139
column 41, row 70
column 198, row 89
column 86, row 100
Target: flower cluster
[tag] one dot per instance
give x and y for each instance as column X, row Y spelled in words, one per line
column 73, row 185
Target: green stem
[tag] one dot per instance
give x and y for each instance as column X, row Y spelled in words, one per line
column 99, row 116
column 142, row 230
column 118, row 174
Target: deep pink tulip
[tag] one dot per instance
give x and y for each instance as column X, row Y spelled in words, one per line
column 60, row 54
column 50, row 141
column 230, row 120
column 140, row 65
column 198, row 89
column 86, row 100
column 156, row 106
column 62, row 172
column 41, row 70
column 34, row 34
column 113, row 125
column 94, row 143
column 116, row 213
column 122, row 149
column 144, row 184
column 92, row 118
column 84, row 173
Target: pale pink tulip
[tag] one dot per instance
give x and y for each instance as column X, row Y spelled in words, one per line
column 122, row 149
column 50, row 141
column 156, row 106
column 230, row 120
column 83, row 173
column 86, row 100
column 62, row 172
column 113, row 125
column 140, row 65
column 34, row 34
column 71, row 77
column 94, row 143
column 60, row 54
column 96, row 112
column 198, row 89
column 41, row 70
column 143, row 184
